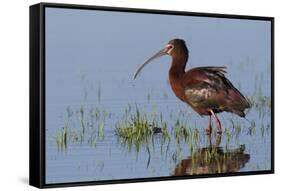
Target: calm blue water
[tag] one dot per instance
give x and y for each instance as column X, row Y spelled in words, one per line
column 91, row 57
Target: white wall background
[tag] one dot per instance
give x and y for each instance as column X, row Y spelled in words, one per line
column 14, row 90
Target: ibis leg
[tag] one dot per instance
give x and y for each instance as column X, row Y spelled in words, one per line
column 218, row 123
column 218, row 140
column 209, row 128
column 210, row 139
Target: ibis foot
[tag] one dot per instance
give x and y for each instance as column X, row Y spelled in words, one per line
column 209, row 128
column 208, row 131
column 218, row 140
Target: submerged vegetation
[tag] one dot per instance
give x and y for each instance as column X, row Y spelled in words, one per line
column 82, row 126
column 140, row 127
column 137, row 126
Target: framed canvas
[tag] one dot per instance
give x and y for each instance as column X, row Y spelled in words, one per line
column 123, row 95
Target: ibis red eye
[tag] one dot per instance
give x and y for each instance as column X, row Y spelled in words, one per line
column 169, row 48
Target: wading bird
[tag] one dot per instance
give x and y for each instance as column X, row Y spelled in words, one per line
column 205, row 89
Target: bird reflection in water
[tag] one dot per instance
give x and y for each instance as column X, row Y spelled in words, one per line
column 212, row 160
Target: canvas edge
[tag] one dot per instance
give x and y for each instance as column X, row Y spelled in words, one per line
column 34, row 130
column 272, row 95
column 36, row 141
column 156, row 11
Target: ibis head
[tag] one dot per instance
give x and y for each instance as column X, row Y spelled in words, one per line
column 175, row 48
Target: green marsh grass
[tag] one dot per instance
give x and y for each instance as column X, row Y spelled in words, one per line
column 87, row 127
column 137, row 127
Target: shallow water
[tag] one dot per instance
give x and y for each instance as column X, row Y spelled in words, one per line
column 94, row 151
column 89, row 94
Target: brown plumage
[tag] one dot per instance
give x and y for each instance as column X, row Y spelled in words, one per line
column 205, row 89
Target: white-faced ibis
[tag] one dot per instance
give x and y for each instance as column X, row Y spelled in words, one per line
column 205, row 89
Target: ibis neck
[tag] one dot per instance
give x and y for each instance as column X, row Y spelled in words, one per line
column 178, row 66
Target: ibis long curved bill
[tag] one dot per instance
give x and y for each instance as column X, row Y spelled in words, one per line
column 162, row 52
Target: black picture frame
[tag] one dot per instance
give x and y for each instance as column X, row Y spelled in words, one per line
column 37, row 94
